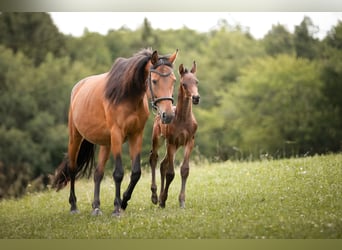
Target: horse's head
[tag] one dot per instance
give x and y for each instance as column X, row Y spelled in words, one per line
column 161, row 82
column 189, row 82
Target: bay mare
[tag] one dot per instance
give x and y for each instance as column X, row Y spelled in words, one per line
column 107, row 110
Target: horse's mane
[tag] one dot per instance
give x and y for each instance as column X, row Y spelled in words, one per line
column 126, row 77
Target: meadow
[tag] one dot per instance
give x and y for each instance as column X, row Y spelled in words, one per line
column 295, row 198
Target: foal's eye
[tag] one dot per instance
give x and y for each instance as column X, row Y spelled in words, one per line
column 154, row 81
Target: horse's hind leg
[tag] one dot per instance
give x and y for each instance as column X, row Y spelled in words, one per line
column 98, row 175
column 75, row 140
column 185, row 172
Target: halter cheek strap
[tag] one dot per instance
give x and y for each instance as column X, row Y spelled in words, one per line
column 154, row 99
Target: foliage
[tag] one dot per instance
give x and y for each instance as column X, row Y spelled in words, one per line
column 278, row 96
column 34, row 34
column 283, row 199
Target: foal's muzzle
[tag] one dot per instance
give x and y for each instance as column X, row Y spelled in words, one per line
column 196, row 99
column 167, row 118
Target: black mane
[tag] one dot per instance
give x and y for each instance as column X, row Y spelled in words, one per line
column 126, row 79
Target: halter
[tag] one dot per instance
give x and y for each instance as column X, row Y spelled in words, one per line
column 156, row 100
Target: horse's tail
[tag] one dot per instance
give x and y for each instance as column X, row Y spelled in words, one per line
column 84, row 164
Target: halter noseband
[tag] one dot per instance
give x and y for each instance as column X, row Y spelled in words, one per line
column 156, row 100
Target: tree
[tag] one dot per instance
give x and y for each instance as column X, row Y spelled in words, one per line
column 278, row 41
column 33, row 33
column 306, row 45
column 276, row 107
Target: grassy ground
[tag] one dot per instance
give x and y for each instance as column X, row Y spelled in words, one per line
column 296, row 198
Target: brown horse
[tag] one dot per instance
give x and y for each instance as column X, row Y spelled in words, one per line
column 109, row 109
column 180, row 132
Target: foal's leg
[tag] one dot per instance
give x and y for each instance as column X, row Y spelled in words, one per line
column 167, row 173
column 98, row 175
column 75, row 140
column 153, row 162
column 185, row 171
column 135, row 144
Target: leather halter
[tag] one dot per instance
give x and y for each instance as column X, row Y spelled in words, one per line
column 154, row 99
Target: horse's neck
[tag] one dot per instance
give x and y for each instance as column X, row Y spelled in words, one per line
column 184, row 106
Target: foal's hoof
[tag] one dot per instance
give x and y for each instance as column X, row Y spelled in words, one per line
column 74, row 211
column 97, row 211
column 182, row 204
column 154, row 199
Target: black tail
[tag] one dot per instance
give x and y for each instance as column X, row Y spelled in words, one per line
column 85, row 162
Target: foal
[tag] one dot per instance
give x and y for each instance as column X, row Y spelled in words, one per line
column 180, row 132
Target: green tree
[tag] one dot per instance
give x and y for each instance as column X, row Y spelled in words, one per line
column 278, row 41
column 306, row 45
column 274, row 108
column 33, row 33
column 331, row 76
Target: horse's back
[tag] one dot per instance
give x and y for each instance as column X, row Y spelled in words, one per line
column 87, row 109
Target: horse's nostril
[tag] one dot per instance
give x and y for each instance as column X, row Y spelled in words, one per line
column 166, row 118
column 196, row 99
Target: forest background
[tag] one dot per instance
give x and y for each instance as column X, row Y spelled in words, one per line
column 275, row 97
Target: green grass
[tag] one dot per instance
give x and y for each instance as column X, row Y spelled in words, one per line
column 295, row 198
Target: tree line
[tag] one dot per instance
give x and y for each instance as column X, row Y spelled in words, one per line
column 279, row 96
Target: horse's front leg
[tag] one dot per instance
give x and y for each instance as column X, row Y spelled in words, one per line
column 167, row 173
column 118, row 174
column 153, row 162
column 184, row 171
column 135, row 144
column 98, row 175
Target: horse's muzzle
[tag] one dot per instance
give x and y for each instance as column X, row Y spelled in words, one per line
column 166, row 118
column 195, row 99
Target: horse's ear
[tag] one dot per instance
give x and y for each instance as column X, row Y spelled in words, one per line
column 154, row 57
column 181, row 69
column 173, row 57
column 194, row 67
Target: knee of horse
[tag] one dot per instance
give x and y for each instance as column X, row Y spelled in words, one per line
column 184, row 171
column 135, row 176
column 98, row 175
column 170, row 176
column 153, row 159
column 118, row 176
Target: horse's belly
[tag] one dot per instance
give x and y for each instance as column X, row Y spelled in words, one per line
column 93, row 132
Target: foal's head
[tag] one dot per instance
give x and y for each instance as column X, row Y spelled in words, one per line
column 161, row 82
column 189, row 82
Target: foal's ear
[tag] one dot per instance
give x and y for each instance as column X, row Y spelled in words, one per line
column 194, row 67
column 173, row 57
column 181, row 69
column 154, row 57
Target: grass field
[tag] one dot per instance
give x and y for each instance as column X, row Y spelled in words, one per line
column 293, row 198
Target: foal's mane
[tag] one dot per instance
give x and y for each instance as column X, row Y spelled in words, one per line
column 126, row 77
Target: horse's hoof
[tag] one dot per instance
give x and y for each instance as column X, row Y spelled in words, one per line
column 116, row 214
column 74, row 211
column 182, row 204
column 97, row 211
column 162, row 205
column 154, row 199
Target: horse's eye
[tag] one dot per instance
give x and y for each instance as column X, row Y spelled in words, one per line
column 154, row 81
column 184, row 85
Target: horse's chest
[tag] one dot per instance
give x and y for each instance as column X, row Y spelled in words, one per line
column 180, row 137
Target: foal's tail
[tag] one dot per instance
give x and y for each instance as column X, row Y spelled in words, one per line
column 84, row 165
